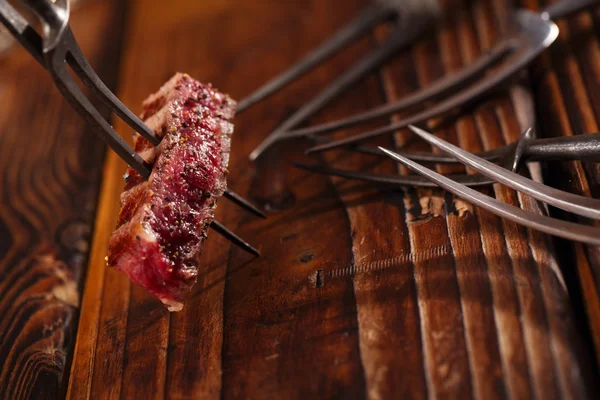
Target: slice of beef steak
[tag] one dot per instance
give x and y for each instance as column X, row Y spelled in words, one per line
column 164, row 220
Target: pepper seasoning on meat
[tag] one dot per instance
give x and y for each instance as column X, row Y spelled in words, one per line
column 164, row 220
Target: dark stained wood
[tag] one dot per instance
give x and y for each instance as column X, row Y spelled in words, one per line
column 360, row 292
column 49, row 175
column 134, row 331
column 489, row 303
column 567, row 78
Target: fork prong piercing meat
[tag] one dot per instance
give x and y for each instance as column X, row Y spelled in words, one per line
column 59, row 48
column 164, row 219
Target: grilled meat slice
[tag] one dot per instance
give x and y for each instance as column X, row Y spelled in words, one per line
column 164, row 220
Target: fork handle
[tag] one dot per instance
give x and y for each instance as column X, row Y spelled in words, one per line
column 566, row 148
column 565, row 8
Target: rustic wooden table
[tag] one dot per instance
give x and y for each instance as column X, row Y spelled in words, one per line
column 468, row 306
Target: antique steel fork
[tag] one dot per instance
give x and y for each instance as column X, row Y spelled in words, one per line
column 57, row 49
column 534, row 33
column 531, row 34
column 511, row 156
column 580, row 205
column 414, row 16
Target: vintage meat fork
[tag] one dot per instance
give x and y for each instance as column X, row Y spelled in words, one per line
column 532, row 34
column 580, row 205
column 414, row 16
column 54, row 51
column 511, row 156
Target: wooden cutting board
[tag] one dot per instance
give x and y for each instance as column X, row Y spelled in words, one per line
column 458, row 303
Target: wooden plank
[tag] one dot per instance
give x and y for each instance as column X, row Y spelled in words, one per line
column 140, row 349
column 489, row 304
column 567, row 80
column 49, row 179
column 457, row 303
column 388, row 307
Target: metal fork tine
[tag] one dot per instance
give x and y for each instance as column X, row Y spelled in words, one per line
column 55, row 60
column 89, row 77
column 32, row 41
column 498, row 154
column 235, row 239
column 399, row 180
column 21, row 30
column 361, row 68
column 438, row 89
column 87, row 74
column 513, row 64
column 565, row 8
column 511, row 156
column 242, row 202
column 367, row 19
column 553, row 226
column 570, row 202
column 84, row 107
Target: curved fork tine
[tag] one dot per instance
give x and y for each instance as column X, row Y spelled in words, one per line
column 498, row 154
column 553, row 226
column 358, row 70
column 367, row 19
column 88, row 76
column 438, row 89
column 32, row 41
column 232, row 237
column 566, row 148
column 82, row 105
column 398, row 180
column 242, row 202
column 512, row 65
column 576, row 204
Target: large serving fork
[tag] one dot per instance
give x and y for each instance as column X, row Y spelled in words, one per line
column 511, row 156
column 56, row 49
column 531, row 34
column 413, row 17
column 580, row 205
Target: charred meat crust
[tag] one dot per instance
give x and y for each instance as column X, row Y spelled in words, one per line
column 164, row 221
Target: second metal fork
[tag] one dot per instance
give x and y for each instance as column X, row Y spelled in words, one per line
column 580, row 205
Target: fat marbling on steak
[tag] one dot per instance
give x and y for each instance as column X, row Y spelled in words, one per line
column 164, row 220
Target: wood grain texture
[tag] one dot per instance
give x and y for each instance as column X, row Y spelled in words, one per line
column 202, row 360
column 462, row 305
column 567, row 78
column 49, row 174
column 492, row 306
